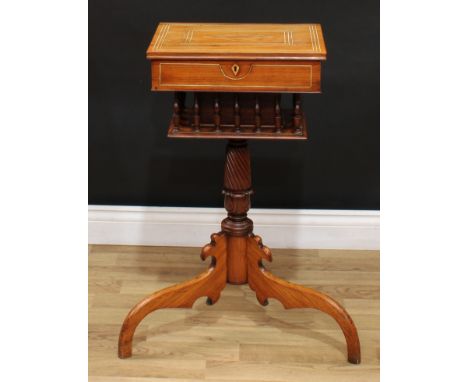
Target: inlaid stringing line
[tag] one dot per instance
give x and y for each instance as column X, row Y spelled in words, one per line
column 163, row 29
column 227, row 86
column 288, row 38
column 159, row 36
column 235, row 78
column 318, row 40
column 313, row 42
column 161, row 41
column 188, row 36
column 164, row 37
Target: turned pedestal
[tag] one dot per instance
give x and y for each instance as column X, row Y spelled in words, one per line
column 237, row 258
column 238, row 74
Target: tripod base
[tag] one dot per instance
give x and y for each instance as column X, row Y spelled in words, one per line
column 263, row 283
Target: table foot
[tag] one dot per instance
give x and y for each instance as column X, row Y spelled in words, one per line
column 210, row 283
column 266, row 285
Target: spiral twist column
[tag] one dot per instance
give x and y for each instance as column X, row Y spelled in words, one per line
column 237, row 226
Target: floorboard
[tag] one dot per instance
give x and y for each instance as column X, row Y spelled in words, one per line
column 235, row 340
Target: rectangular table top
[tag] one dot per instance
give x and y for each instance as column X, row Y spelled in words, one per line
column 237, row 41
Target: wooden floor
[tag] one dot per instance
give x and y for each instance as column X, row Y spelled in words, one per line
column 236, row 339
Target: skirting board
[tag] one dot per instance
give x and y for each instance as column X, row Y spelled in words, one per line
column 186, row 226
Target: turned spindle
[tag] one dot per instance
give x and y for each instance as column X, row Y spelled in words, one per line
column 236, row 113
column 258, row 120
column 297, row 113
column 176, row 111
column 216, row 116
column 232, row 115
column 278, row 113
column 196, row 112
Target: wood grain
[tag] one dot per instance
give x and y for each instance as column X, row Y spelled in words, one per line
column 237, row 57
column 236, row 253
column 237, row 259
column 266, row 285
column 236, row 339
column 210, row 284
column 209, row 75
column 234, row 40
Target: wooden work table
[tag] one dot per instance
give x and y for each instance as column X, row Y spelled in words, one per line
column 228, row 81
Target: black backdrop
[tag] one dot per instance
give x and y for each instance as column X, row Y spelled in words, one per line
column 131, row 162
